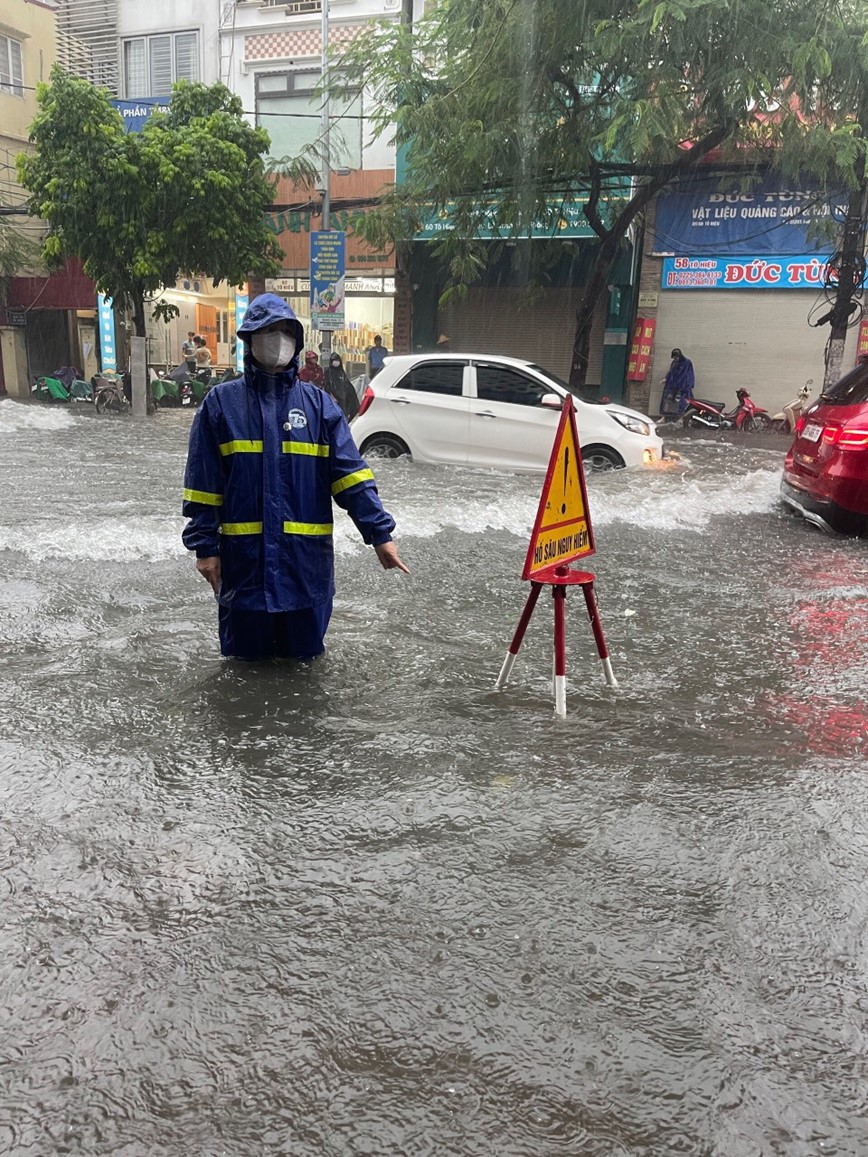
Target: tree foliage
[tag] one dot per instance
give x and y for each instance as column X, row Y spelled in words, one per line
column 186, row 195
column 603, row 103
column 17, row 253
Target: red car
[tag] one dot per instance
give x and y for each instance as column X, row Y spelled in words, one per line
column 826, row 469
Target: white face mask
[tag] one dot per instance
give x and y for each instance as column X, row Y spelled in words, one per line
column 273, row 350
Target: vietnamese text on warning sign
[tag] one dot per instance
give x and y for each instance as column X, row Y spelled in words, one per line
column 562, row 531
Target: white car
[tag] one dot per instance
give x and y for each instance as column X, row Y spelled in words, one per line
column 502, row 412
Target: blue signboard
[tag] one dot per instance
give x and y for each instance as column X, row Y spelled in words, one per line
column 136, row 112
column 328, row 267
column 107, row 353
column 805, row 271
column 769, row 218
column 242, row 300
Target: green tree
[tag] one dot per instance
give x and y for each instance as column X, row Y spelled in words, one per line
column 186, row 195
column 602, row 103
column 17, row 253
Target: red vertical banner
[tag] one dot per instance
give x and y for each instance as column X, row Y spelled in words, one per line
column 862, row 343
column 641, row 348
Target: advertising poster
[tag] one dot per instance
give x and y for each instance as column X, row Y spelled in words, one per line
column 107, row 352
column 768, row 218
column 328, row 263
column 641, row 348
column 805, row 271
column 242, row 300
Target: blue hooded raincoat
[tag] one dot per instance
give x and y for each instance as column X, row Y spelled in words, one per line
column 268, row 456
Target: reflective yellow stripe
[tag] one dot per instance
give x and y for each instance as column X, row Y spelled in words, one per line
column 351, row 480
column 204, row 497
column 307, row 527
column 241, row 528
column 312, row 448
column 240, row 447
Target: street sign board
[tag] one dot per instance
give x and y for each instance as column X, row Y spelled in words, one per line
column 108, row 353
column 328, row 266
column 562, row 531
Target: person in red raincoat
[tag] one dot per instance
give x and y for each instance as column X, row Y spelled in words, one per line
column 311, row 371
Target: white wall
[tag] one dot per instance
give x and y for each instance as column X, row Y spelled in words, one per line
column 239, row 73
column 145, row 17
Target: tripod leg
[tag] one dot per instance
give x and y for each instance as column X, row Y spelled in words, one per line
column 597, row 628
column 517, row 638
column 560, row 597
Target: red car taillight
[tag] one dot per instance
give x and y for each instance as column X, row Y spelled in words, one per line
column 801, row 422
column 367, row 398
column 846, row 437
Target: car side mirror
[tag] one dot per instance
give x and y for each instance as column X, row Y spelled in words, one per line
column 553, row 401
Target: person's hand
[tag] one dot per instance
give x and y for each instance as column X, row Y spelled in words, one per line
column 387, row 553
column 209, row 569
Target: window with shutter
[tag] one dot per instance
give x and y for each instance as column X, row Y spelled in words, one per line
column 135, row 72
column 160, row 50
column 11, row 67
column 152, row 64
column 187, row 56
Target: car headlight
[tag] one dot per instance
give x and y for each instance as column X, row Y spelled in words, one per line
column 636, row 425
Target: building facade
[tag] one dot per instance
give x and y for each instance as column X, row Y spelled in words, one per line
column 733, row 274
column 47, row 321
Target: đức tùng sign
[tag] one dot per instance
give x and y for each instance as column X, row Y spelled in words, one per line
column 804, row 271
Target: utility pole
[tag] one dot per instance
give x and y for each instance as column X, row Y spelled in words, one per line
column 850, row 272
column 407, row 13
column 325, row 335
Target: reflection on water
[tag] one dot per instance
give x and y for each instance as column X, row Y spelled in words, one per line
column 368, row 905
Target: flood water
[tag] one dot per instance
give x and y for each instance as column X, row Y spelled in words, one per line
column 370, row 906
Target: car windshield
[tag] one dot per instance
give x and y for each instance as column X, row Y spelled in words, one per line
column 851, row 390
column 577, row 393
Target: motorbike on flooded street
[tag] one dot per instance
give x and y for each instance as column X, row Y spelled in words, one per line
column 784, row 422
column 747, row 415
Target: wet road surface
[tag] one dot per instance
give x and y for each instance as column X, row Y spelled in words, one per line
column 370, row 906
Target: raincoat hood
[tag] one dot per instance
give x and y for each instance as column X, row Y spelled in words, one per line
column 266, row 310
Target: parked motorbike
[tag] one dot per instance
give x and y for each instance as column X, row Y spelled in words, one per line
column 747, row 415
column 784, row 422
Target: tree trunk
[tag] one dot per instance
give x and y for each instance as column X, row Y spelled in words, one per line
column 407, row 12
column 850, row 271
column 138, row 303
column 594, row 290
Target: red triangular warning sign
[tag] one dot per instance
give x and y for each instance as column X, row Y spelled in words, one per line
column 562, row 531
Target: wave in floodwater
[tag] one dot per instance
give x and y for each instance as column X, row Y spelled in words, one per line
column 660, row 502
column 15, row 416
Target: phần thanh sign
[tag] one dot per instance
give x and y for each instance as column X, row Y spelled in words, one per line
column 562, row 532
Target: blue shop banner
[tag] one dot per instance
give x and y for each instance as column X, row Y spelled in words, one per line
column 806, row 271
column 328, row 267
column 768, row 218
column 137, row 112
column 107, row 353
column 242, row 300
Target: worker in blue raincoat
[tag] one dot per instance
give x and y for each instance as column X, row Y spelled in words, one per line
column 268, row 456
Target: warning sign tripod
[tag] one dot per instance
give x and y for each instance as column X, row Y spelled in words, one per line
column 559, row 580
column 562, row 534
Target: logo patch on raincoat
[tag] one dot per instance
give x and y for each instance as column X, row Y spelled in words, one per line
column 295, row 420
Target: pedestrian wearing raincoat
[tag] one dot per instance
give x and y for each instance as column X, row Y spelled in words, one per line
column 268, row 456
column 678, row 386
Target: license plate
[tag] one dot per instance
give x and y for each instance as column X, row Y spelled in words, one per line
column 812, row 432
column 185, row 401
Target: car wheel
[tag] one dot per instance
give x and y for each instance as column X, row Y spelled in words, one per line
column 601, row 458
column 384, row 446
